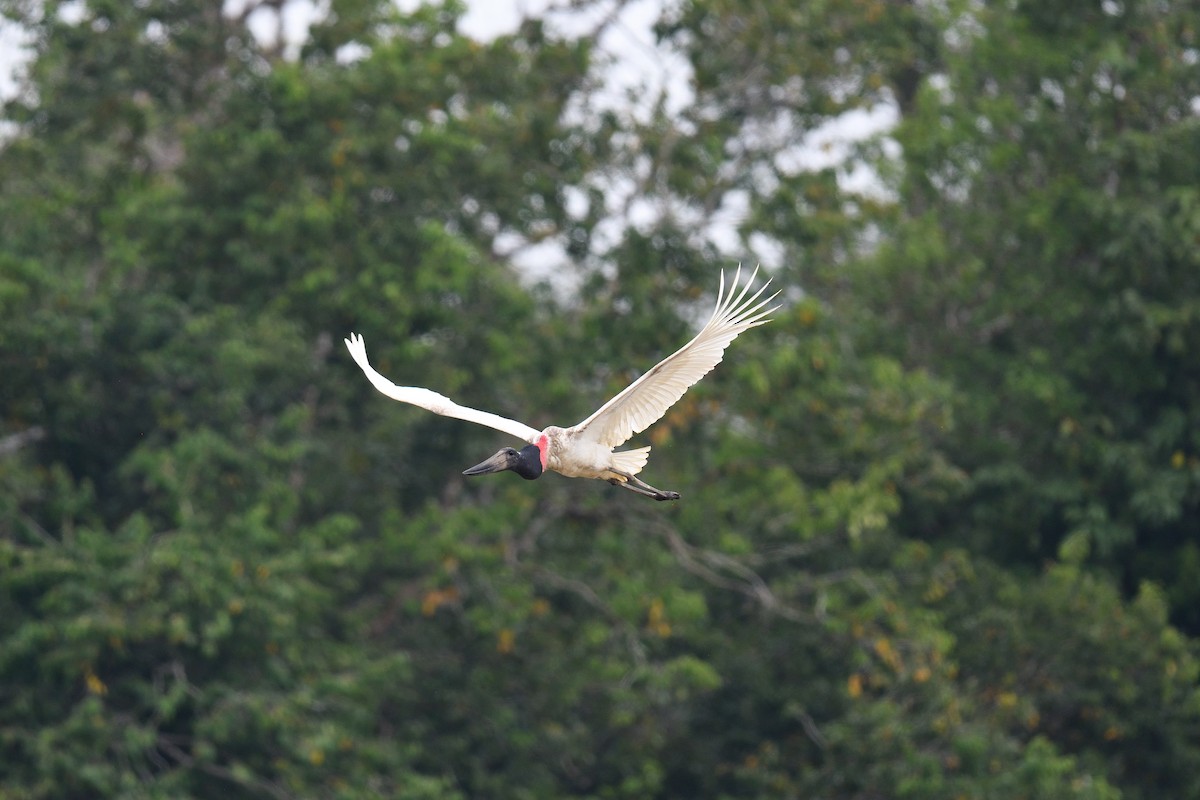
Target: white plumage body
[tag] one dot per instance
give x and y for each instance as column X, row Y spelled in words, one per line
column 587, row 450
column 572, row 454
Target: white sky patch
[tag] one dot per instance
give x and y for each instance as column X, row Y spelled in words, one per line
column 724, row 224
column 767, row 250
column 638, row 71
column 14, row 55
column 289, row 23
column 829, row 144
column 636, row 74
column 72, row 12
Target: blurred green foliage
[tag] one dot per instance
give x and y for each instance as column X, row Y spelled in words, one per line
column 938, row 534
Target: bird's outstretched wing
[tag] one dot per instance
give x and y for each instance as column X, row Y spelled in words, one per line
column 645, row 400
column 432, row 401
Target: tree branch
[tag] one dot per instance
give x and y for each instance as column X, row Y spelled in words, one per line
column 15, row 441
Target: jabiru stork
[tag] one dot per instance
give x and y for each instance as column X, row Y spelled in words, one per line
column 586, row 450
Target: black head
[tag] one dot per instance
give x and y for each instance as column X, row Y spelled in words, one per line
column 527, row 462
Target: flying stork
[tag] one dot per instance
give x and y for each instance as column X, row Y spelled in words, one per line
column 586, row 450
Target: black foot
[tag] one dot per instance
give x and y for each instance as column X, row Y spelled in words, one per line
column 638, row 486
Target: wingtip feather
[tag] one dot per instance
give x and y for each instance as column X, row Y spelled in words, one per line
column 357, row 348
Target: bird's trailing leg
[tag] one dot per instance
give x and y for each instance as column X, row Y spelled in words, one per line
column 641, row 487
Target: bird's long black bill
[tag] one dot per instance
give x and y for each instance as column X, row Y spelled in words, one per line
column 497, row 463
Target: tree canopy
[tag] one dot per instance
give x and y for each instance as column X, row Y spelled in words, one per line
column 940, row 526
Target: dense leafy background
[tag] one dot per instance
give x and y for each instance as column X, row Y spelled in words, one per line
column 940, row 534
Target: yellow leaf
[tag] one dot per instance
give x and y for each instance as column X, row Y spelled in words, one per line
column 436, row 598
column 505, row 641
column 887, row 653
column 655, row 615
column 660, row 435
column 94, row 684
column 430, row 602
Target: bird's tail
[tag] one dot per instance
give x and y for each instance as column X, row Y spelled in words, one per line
column 631, row 461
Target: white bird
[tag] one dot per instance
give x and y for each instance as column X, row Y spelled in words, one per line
column 586, row 450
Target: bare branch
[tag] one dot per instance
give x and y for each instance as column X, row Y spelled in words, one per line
column 15, row 441
column 167, row 746
column 707, row 563
column 589, row 596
